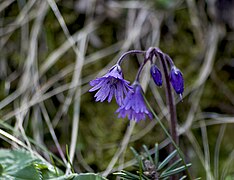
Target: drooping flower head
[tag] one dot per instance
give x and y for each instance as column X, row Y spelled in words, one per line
column 177, row 80
column 134, row 105
column 110, row 85
column 156, row 75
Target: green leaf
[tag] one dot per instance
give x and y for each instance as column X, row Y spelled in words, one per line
column 23, row 165
column 139, row 159
column 169, row 157
column 145, row 177
column 122, row 175
column 130, row 175
column 172, row 166
column 27, row 173
column 148, row 154
column 1, row 169
column 88, row 176
column 135, row 153
column 175, row 171
column 10, row 128
column 156, row 155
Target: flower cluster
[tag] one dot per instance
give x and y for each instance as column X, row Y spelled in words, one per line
column 130, row 98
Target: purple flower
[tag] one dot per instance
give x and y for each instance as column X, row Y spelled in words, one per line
column 177, row 80
column 156, row 75
column 134, row 105
column 111, row 84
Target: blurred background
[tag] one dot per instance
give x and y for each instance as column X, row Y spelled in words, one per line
column 50, row 50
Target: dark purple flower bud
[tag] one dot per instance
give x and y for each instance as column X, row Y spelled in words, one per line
column 177, row 80
column 156, row 75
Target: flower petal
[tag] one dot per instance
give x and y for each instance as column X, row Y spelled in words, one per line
column 110, row 85
column 134, row 106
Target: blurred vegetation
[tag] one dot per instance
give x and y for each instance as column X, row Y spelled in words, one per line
column 43, row 97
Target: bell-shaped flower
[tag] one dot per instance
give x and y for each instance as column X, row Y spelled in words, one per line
column 111, row 85
column 134, row 105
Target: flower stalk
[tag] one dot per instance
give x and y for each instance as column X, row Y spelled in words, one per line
column 127, row 53
column 170, row 102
